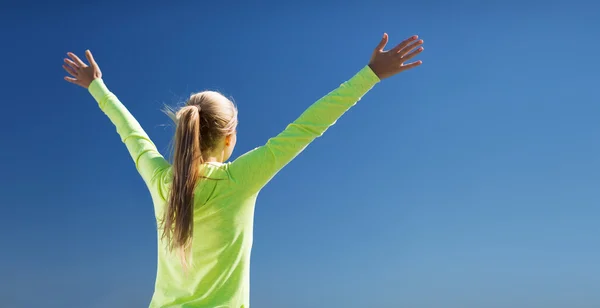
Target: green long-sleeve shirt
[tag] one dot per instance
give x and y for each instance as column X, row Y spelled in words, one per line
column 219, row 275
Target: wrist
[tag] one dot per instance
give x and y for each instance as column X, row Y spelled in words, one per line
column 98, row 89
column 377, row 71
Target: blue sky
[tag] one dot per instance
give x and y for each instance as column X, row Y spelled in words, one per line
column 472, row 181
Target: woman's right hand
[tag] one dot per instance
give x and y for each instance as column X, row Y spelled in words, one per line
column 389, row 63
column 83, row 75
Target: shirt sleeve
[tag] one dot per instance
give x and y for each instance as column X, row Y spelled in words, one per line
column 148, row 161
column 257, row 167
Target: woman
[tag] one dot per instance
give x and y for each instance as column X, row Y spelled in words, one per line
column 204, row 206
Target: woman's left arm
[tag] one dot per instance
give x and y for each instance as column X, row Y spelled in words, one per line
column 148, row 161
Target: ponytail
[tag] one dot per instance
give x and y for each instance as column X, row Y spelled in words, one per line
column 179, row 215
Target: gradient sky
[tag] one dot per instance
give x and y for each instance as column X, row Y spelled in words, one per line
column 472, row 181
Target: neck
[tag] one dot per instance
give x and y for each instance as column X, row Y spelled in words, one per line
column 215, row 157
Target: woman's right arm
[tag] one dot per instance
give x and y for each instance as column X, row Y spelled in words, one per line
column 255, row 169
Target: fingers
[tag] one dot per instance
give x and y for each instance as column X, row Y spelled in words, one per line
column 69, row 70
column 412, row 54
column 382, row 43
column 402, row 52
column 72, row 65
column 77, row 60
column 71, row 79
column 90, row 58
column 406, row 67
column 404, row 43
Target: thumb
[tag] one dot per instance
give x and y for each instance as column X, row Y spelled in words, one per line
column 383, row 42
column 90, row 58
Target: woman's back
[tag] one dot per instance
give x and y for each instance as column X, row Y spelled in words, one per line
column 220, row 251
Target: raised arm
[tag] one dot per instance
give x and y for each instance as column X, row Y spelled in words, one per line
column 256, row 168
column 148, row 161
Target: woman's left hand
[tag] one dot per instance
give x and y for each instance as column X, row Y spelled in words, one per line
column 83, row 74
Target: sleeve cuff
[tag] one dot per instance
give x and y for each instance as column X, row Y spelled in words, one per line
column 369, row 75
column 98, row 89
column 364, row 80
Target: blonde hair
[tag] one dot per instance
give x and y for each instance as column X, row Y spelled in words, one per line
column 206, row 119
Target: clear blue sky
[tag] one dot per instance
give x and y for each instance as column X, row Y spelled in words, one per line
column 473, row 181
